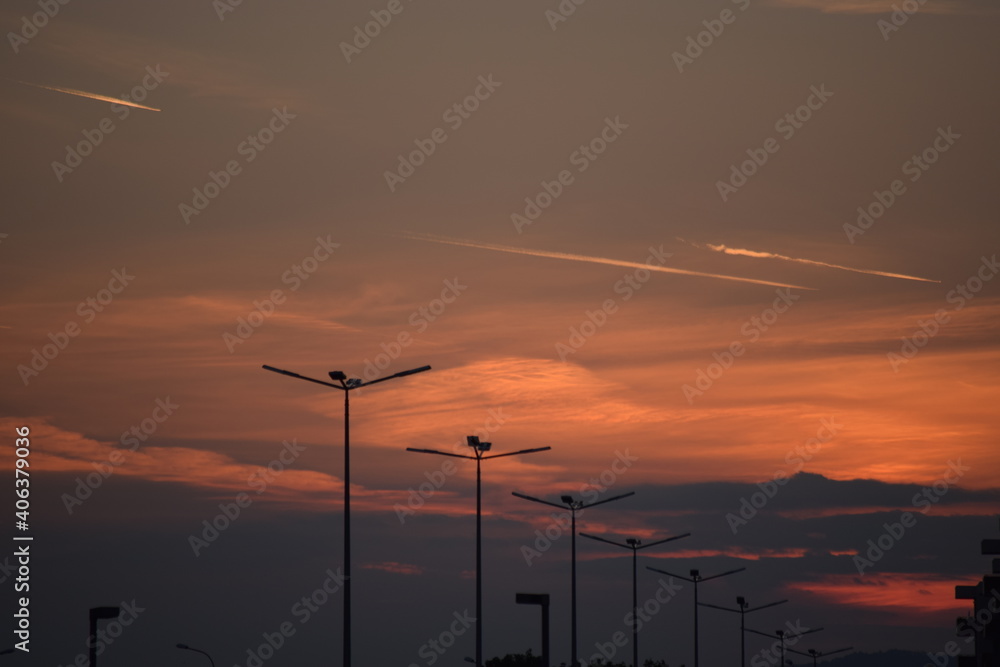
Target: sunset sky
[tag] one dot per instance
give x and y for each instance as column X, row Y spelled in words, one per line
column 702, row 250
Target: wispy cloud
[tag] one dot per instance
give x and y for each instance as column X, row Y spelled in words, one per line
column 587, row 258
column 83, row 93
column 973, row 7
column 743, row 252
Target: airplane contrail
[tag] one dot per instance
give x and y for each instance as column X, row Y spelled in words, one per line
column 770, row 255
column 83, row 93
column 586, row 258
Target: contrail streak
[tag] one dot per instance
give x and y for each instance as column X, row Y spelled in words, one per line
column 586, row 258
column 770, row 255
column 83, row 93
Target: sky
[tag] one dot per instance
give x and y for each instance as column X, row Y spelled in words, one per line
column 736, row 257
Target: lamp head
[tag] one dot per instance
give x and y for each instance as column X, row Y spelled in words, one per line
column 741, row 601
column 185, row 646
column 694, row 574
column 472, row 441
column 632, row 542
column 338, row 376
column 566, row 499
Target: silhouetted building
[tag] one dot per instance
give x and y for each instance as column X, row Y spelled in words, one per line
column 982, row 628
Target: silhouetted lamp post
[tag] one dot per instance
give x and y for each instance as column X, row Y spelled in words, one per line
column 478, row 448
column 96, row 614
column 346, row 385
column 197, row 650
column 695, row 579
column 816, row 655
column 743, row 609
column 634, row 545
column 781, row 636
column 573, row 506
column 542, row 600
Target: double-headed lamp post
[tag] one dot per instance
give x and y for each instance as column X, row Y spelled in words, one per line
column 695, row 579
column 197, row 650
column 479, row 450
column 573, row 506
column 816, row 655
column 346, row 385
column 782, row 637
column 635, row 545
column 743, row 609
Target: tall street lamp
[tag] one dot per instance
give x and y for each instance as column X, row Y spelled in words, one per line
column 695, row 579
column 634, row 545
column 197, row 650
column 347, row 385
column 782, row 637
column 97, row 614
column 573, row 506
column 478, row 449
column 743, row 609
column 816, row 655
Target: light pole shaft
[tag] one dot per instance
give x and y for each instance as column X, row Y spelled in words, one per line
column 696, row 621
column 347, row 529
column 573, row 661
column 743, row 638
column 479, row 560
column 635, row 609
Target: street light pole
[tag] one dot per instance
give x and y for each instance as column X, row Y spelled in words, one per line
column 573, row 506
column 346, row 385
column 635, row 545
column 197, row 650
column 781, row 635
column 695, row 579
column 743, row 609
column 478, row 448
column 816, row 655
